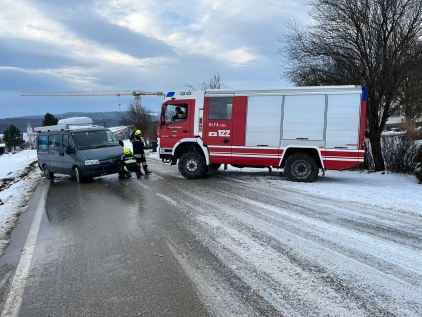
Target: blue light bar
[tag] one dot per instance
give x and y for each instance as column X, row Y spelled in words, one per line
column 170, row 94
column 364, row 93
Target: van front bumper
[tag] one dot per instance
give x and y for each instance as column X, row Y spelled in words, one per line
column 101, row 169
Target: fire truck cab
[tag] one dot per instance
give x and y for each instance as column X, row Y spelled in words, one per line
column 301, row 129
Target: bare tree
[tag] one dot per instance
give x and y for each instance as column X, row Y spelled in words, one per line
column 410, row 96
column 140, row 118
column 374, row 43
column 213, row 82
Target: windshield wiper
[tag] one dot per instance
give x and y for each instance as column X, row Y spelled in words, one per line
column 100, row 146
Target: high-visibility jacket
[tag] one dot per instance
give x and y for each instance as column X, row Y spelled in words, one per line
column 129, row 162
column 179, row 116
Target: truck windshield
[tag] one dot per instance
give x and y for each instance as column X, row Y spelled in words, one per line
column 94, row 139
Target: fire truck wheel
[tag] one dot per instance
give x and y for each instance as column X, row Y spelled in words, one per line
column 301, row 167
column 192, row 165
column 47, row 173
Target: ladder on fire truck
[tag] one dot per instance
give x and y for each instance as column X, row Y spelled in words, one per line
column 136, row 93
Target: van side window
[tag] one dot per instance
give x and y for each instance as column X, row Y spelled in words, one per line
column 54, row 141
column 42, row 142
column 220, row 108
column 65, row 140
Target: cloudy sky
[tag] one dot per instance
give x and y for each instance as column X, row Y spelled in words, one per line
column 148, row 45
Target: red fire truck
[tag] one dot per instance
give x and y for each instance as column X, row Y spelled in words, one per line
column 302, row 130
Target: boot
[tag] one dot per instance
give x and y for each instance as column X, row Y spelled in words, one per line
column 146, row 170
column 139, row 174
column 128, row 175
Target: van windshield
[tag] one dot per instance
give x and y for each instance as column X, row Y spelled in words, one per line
column 94, row 139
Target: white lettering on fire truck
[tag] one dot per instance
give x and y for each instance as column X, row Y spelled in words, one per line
column 220, row 133
column 216, row 124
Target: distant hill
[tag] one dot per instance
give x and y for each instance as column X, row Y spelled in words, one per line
column 110, row 118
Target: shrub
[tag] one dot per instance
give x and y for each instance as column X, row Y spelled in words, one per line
column 399, row 152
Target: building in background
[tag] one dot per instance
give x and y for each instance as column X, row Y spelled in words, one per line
column 30, row 136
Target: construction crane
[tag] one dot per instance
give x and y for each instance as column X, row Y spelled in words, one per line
column 136, row 93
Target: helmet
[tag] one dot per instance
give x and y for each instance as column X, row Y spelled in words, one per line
column 137, row 132
column 127, row 151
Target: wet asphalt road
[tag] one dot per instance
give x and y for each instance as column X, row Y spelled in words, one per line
column 102, row 251
column 227, row 245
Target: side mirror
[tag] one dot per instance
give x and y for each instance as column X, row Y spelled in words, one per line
column 121, row 143
column 69, row 149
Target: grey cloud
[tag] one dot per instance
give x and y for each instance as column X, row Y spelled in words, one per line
column 258, row 37
column 26, row 82
column 34, row 55
column 118, row 38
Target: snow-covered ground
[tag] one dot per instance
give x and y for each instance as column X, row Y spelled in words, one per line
column 19, row 176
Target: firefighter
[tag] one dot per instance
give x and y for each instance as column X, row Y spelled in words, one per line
column 139, row 153
column 128, row 163
column 180, row 115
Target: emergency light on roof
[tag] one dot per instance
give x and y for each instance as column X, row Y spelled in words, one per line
column 170, row 94
column 365, row 93
column 182, row 93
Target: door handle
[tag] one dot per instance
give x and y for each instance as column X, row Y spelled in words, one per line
column 185, row 131
column 226, row 141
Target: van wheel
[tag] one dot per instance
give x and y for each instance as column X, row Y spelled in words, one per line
column 301, row 167
column 79, row 175
column 47, row 173
column 192, row 165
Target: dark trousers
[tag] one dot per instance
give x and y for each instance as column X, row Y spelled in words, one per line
column 140, row 159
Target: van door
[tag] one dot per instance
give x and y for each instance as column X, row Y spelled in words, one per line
column 218, row 127
column 42, row 150
column 67, row 159
column 54, row 153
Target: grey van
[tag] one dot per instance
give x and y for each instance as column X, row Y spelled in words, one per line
column 79, row 148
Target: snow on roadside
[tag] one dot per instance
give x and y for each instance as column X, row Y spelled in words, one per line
column 398, row 192
column 19, row 177
column 390, row 191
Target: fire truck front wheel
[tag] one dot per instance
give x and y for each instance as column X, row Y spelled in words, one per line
column 301, row 167
column 192, row 165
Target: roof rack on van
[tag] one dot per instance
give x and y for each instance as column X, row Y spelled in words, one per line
column 71, row 124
